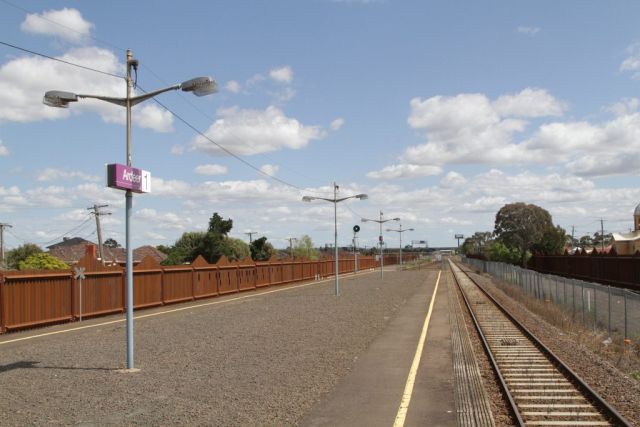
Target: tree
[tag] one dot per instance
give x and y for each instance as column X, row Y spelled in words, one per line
column 304, row 248
column 477, row 244
column 586, row 241
column 238, row 249
column 552, row 242
column 42, row 261
column 111, row 243
column 499, row 252
column 183, row 250
column 261, row 250
column 15, row 256
column 521, row 226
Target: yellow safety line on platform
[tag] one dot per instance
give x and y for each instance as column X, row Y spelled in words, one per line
column 142, row 316
column 408, row 388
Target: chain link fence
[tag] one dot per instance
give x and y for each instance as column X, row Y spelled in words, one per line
column 595, row 306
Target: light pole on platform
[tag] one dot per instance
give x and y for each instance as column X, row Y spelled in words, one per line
column 335, row 200
column 400, row 231
column 200, row 86
column 380, row 221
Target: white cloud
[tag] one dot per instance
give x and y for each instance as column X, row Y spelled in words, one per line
column 405, row 171
column 282, row 74
column 24, row 80
column 452, row 180
column 177, row 150
column 211, row 169
column 632, row 62
column 154, row 236
column 248, row 132
column 270, row 170
column 337, row 123
column 529, row 31
column 530, row 102
column 232, row 86
column 52, row 174
column 67, row 24
column 4, row 151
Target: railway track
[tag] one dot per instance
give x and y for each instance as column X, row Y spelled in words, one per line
column 541, row 389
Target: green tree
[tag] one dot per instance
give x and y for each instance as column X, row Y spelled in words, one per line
column 214, row 244
column 261, row 250
column 477, row 244
column 111, row 243
column 585, row 241
column 237, row 249
column 15, row 256
column 521, row 226
column 599, row 238
column 552, row 242
column 304, row 248
column 184, row 249
column 42, row 261
column 499, row 252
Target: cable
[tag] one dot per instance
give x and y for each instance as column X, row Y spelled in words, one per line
column 61, row 25
column 232, row 154
column 61, row 60
column 75, row 229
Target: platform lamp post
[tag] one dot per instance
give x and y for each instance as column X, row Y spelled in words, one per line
column 335, row 202
column 400, row 231
column 200, row 86
column 380, row 221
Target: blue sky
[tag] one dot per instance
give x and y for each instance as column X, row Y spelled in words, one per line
column 441, row 111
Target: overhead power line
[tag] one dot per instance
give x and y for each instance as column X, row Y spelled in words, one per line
column 84, row 67
column 15, row 6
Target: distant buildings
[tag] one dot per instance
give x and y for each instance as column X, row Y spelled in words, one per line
column 70, row 250
column 629, row 243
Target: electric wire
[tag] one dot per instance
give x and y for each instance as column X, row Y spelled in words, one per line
column 84, row 67
column 105, row 42
column 231, row 153
column 75, row 229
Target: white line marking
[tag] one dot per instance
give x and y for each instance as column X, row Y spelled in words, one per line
column 408, row 388
column 142, row 316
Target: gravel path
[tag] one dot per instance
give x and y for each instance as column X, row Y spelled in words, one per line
column 263, row 360
column 619, row 390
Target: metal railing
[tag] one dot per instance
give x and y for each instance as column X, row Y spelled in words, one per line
column 595, row 306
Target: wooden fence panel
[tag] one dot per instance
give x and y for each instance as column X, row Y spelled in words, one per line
column 177, row 284
column 246, row 275
column 36, row 298
column 263, row 274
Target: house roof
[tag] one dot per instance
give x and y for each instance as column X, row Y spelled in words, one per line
column 68, row 242
column 151, row 251
column 626, row 237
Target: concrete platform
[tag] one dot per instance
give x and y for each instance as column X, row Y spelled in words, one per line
column 371, row 394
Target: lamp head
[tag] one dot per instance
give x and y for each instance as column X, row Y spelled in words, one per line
column 396, row 219
column 200, row 86
column 59, row 99
column 362, row 196
column 307, row 198
column 364, row 220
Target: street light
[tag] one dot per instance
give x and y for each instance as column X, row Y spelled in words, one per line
column 335, row 202
column 200, row 86
column 381, row 221
column 400, row 231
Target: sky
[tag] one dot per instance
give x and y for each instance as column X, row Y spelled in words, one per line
column 441, row 112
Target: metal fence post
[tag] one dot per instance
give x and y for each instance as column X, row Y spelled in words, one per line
column 624, row 293
column 582, row 289
column 595, row 309
column 609, row 314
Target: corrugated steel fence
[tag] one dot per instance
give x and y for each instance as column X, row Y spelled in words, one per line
column 32, row 298
column 614, row 270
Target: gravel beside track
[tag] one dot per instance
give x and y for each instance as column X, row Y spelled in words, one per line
column 263, row 360
column 620, row 391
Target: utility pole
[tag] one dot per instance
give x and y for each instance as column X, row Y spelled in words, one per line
column 291, row 239
column 250, row 234
column 573, row 229
column 96, row 212
column 2, row 227
column 602, row 234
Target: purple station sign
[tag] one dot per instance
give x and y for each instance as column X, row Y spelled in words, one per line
column 125, row 177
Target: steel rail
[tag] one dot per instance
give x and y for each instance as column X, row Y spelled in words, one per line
column 612, row 416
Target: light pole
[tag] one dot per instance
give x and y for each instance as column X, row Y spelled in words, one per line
column 381, row 221
column 400, row 231
column 335, row 202
column 200, row 86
